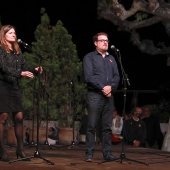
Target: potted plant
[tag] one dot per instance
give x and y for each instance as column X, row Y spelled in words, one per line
column 60, row 79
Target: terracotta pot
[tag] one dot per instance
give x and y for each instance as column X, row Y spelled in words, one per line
column 66, row 135
column 42, row 135
column 10, row 136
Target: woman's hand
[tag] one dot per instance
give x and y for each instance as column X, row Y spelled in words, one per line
column 27, row 74
column 39, row 69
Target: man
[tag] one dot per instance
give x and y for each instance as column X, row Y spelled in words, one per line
column 102, row 78
column 154, row 137
column 135, row 130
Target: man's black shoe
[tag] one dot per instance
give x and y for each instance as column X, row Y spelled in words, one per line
column 110, row 157
column 89, row 157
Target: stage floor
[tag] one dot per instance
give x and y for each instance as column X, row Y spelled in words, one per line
column 59, row 157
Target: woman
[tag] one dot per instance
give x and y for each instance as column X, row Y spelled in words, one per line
column 117, row 125
column 12, row 68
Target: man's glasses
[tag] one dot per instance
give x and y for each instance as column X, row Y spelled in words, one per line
column 106, row 41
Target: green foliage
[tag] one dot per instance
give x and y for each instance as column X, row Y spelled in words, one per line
column 57, row 54
column 141, row 15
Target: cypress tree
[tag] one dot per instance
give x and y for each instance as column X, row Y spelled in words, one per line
column 59, row 82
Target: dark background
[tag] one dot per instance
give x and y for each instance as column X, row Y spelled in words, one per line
column 144, row 71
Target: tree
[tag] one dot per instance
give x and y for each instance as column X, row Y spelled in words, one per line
column 55, row 51
column 133, row 15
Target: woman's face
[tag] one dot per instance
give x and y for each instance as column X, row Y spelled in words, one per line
column 114, row 114
column 10, row 36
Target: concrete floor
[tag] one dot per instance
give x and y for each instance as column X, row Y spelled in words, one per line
column 45, row 157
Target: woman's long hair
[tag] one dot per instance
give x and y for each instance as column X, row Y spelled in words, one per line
column 3, row 43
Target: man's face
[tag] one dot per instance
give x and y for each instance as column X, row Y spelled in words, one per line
column 102, row 43
column 138, row 111
column 146, row 112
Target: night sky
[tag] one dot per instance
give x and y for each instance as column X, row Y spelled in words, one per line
column 145, row 72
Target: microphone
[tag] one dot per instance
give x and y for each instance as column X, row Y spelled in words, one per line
column 23, row 43
column 114, row 48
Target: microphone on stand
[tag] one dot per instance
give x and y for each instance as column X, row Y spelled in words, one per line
column 114, row 48
column 23, row 43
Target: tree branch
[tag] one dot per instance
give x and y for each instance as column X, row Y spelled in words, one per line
column 147, row 46
column 124, row 16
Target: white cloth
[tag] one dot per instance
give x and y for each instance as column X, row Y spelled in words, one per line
column 114, row 128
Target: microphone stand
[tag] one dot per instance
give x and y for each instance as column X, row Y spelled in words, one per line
column 125, row 81
column 47, row 114
column 33, row 105
column 36, row 153
column 32, row 143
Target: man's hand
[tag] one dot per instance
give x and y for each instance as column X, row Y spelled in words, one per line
column 136, row 143
column 109, row 95
column 107, row 91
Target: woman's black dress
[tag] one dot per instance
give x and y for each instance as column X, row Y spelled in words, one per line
column 11, row 66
